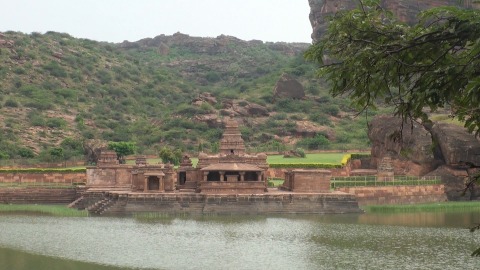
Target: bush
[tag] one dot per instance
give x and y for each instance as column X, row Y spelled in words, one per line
column 11, row 103
column 36, row 120
column 316, row 143
column 55, row 70
column 26, row 153
column 56, row 122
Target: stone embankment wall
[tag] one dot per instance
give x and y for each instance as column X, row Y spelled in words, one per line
column 38, row 195
column 224, row 204
column 59, row 178
column 397, row 194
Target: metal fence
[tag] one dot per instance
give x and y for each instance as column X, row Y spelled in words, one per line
column 371, row 180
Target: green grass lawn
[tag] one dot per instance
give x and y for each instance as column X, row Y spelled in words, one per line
column 427, row 207
column 332, row 158
column 39, row 209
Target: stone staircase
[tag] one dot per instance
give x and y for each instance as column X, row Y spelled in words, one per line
column 188, row 187
column 102, row 206
column 38, row 195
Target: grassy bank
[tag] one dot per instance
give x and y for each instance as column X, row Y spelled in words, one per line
column 47, row 210
column 428, row 207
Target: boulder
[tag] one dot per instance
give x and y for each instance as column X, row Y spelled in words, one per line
column 311, row 129
column 257, row 110
column 288, row 87
column 211, row 120
column 204, row 97
column 411, row 149
column 454, row 180
column 457, row 145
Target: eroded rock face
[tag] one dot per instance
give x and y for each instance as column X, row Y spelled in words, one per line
column 457, row 145
column 311, row 129
column 405, row 10
column 288, row 87
column 412, row 154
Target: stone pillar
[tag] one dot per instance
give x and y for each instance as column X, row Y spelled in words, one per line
column 205, row 176
column 161, row 183
column 145, row 185
column 259, row 176
column 222, row 176
column 242, row 176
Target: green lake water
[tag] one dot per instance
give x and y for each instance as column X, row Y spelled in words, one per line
column 353, row 241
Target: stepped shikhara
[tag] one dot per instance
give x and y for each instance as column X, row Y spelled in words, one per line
column 405, row 10
column 232, row 170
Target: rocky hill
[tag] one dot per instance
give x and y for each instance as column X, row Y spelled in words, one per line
column 406, row 10
column 57, row 91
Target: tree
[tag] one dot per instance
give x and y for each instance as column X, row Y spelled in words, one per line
column 374, row 58
column 122, row 149
column 169, row 155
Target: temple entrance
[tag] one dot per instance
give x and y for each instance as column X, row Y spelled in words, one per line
column 153, row 183
column 213, row 176
column 251, row 176
column 182, row 178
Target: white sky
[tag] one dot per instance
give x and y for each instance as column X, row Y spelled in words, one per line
column 119, row 20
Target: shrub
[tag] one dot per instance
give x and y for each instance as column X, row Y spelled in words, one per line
column 56, row 122
column 36, row 120
column 11, row 103
column 26, row 153
column 212, row 77
column 318, row 142
column 55, row 70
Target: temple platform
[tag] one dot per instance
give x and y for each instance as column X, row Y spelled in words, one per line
column 108, row 202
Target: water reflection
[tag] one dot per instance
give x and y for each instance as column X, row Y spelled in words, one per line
column 353, row 241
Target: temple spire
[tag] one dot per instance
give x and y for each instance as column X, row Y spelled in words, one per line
column 232, row 142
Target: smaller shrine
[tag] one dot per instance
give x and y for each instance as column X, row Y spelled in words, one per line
column 141, row 177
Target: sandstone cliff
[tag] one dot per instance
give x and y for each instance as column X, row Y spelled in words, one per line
column 406, row 10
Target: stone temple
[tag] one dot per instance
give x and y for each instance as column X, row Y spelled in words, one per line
column 232, row 171
column 231, row 181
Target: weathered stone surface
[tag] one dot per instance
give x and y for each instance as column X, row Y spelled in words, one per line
column 205, row 97
column 397, row 194
column 405, row 10
column 454, row 180
column 257, row 110
column 412, row 154
column 211, row 120
column 38, row 195
column 288, row 87
column 457, row 145
column 311, row 129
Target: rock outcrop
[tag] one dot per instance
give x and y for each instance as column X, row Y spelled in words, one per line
column 310, row 129
column 405, row 10
column 288, row 87
column 456, row 144
column 411, row 149
column 447, row 151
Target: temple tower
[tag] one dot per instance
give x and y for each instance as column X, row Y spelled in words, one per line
column 232, row 142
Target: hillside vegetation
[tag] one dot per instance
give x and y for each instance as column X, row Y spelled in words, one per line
column 58, row 92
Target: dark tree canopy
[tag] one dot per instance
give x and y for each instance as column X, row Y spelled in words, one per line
column 374, row 58
column 122, row 149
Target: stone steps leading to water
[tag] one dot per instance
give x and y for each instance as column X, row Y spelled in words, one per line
column 38, row 195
